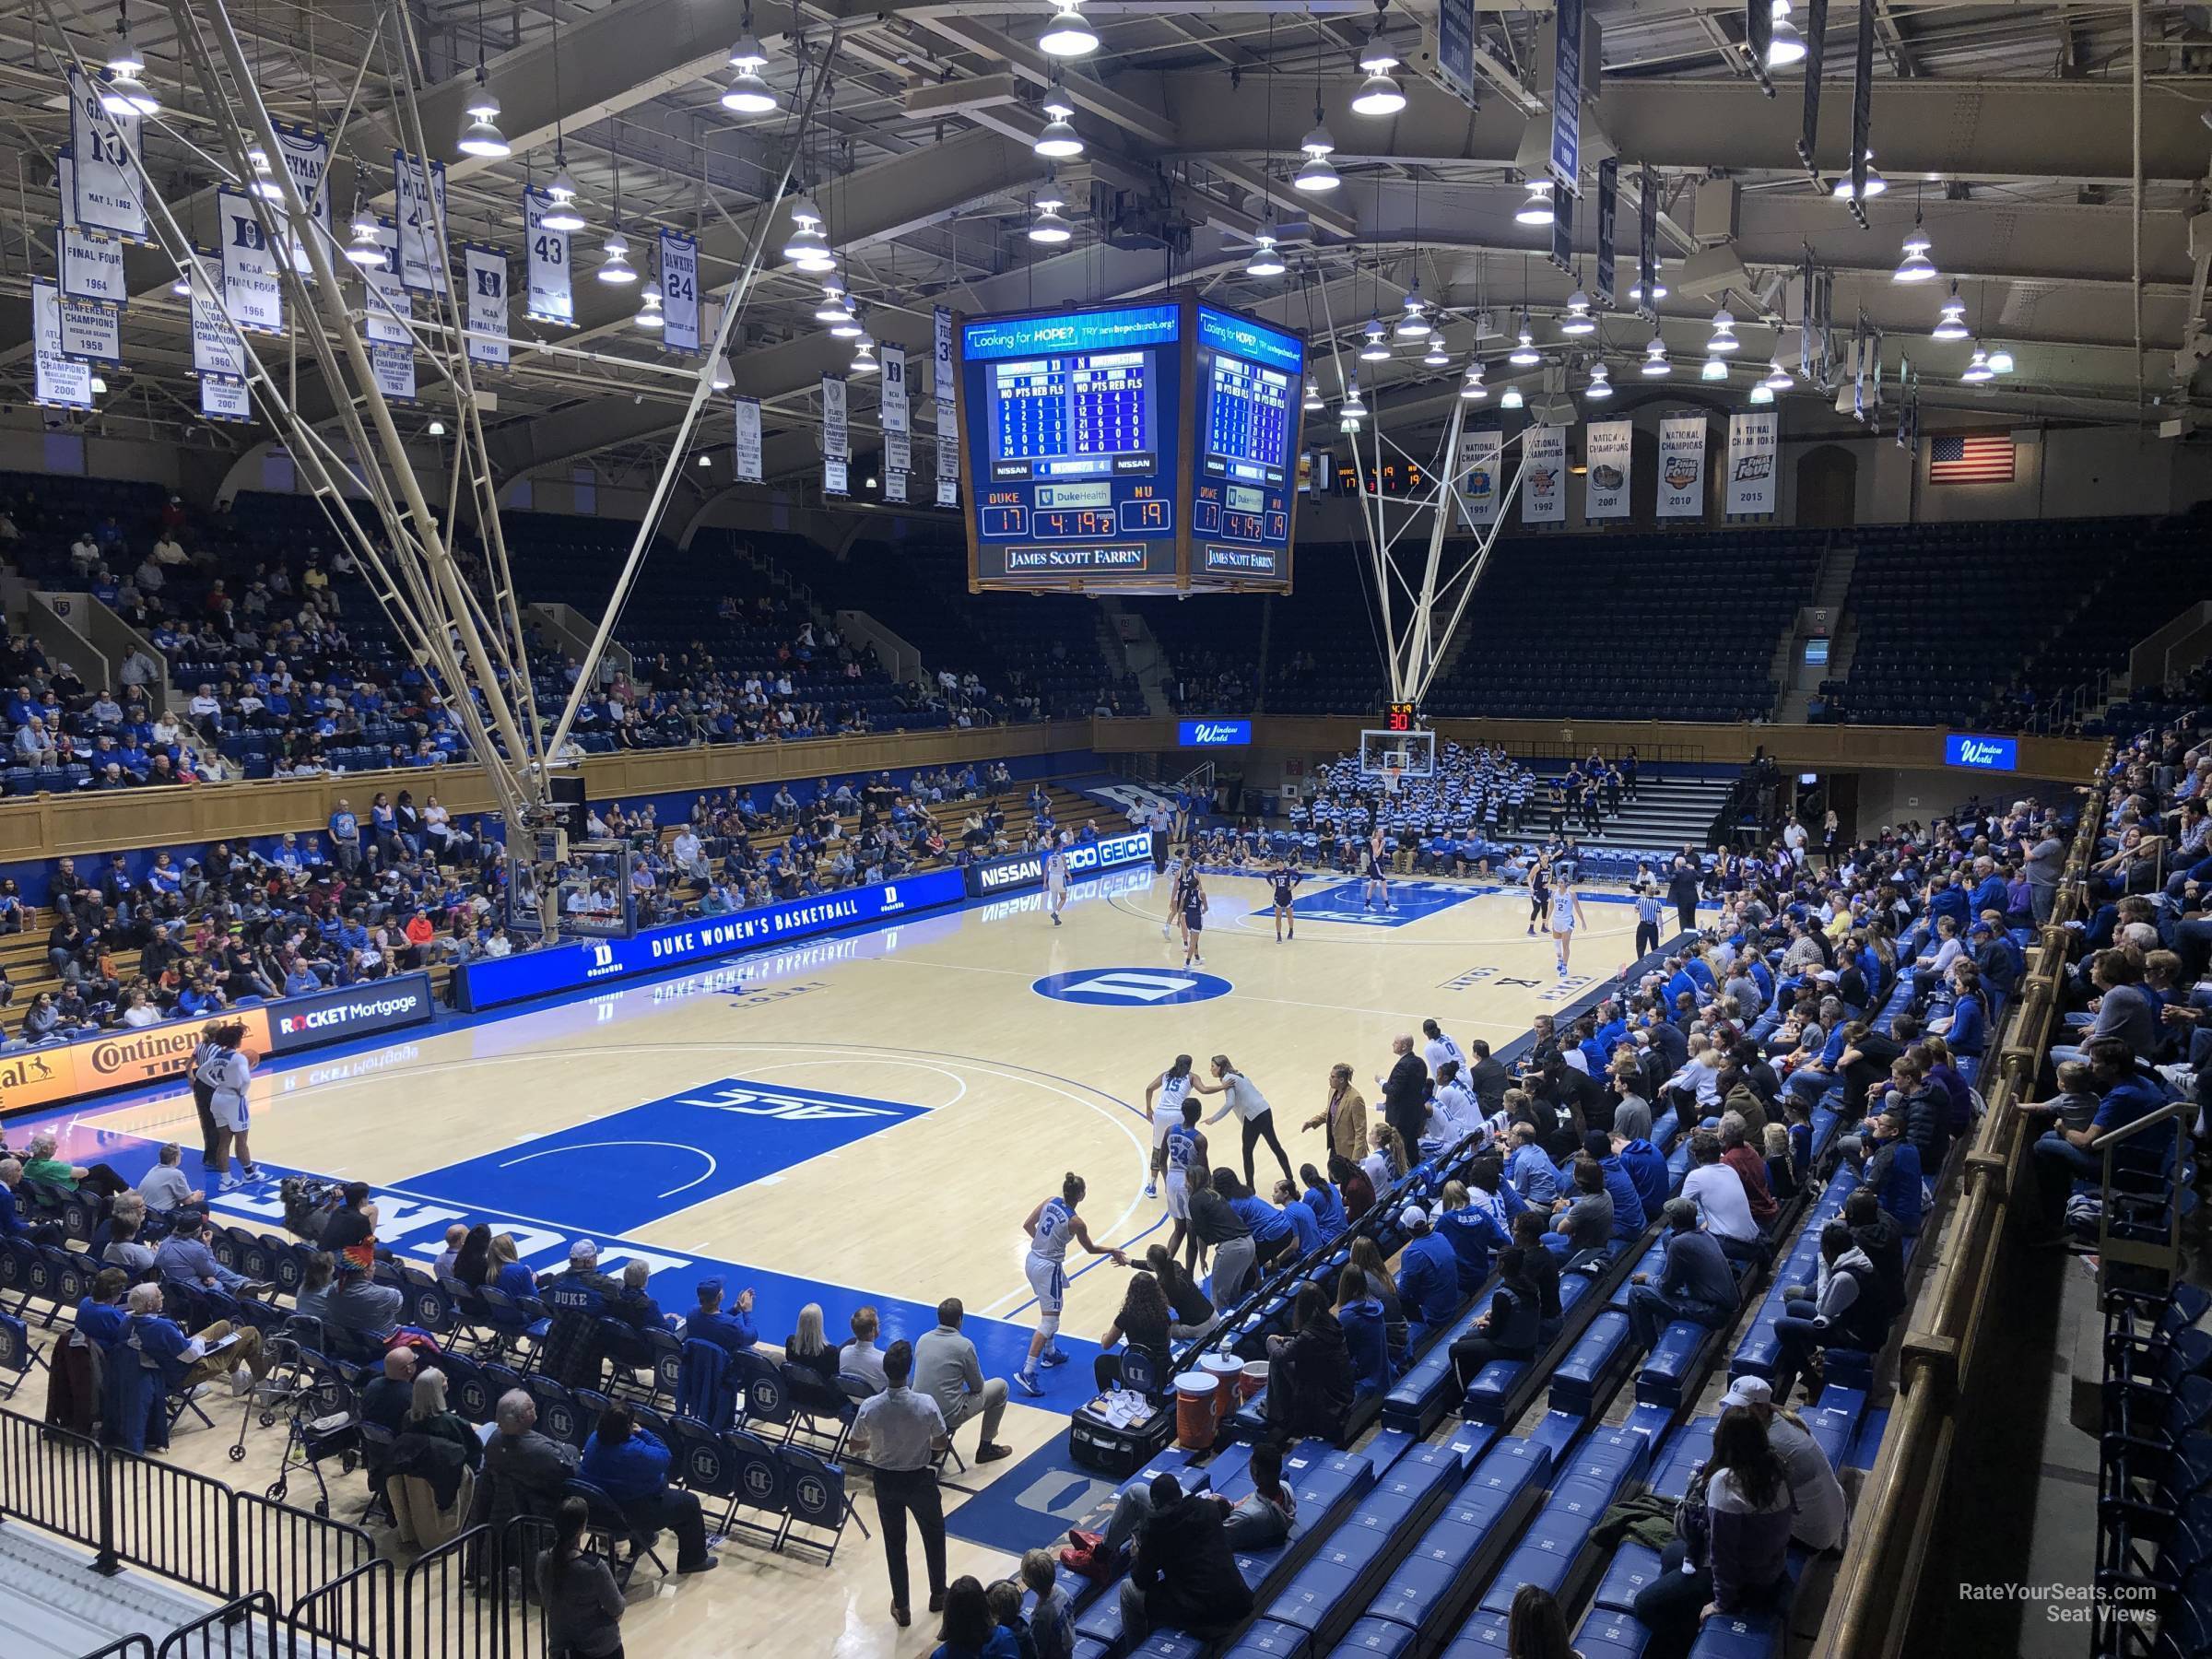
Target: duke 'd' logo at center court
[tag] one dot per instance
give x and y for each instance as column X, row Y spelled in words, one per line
column 1131, row 987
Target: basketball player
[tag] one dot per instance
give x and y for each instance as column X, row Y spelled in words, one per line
column 1286, row 876
column 1055, row 874
column 214, row 1156
column 1539, row 892
column 1185, row 1154
column 1049, row 1227
column 1375, row 882
column 1566, row 916
column 1178, row 859
column 1193, row 914
column 1172, row 1086
column 230, row 1072
column 1439, row 1048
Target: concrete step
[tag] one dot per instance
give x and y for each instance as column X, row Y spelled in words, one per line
column 52, row 1606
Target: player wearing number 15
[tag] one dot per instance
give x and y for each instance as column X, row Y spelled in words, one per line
column 1051, row 1225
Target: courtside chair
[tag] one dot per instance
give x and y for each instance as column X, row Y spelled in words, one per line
column 17, row 1358
column 739, row 1470
column 816, row 1499
column 610, row 1528
column 764, row 1401
column 557, row 1416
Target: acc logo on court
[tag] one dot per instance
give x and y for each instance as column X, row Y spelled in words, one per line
column 1131, row 987
column 793, row 1107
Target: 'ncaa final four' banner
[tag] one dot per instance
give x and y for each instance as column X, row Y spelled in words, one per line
column 1754, row 447
column 1681, row 467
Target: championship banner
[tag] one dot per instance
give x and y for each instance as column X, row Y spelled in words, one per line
column 61, row 381
column 1681, row 467
column 948, row 465
column 834, row 480
column 216, row 348
column 486, row 269
column 222, row 398
column 837, row 444
column 91, row 266
column 421, row 212
column 1566, row 159
column 895, row 414
column 748, row 457
column 943, row 387
column 1816, row 57
column 1609, row 209
column 679, row 292
column 1476, row 479
column 548, row 298
column 1605, row 483
column 394, row 366
column 386, row 306
column 91, row 331
column 894, row 487
column 103, row 197
column 306, row 155
column 252, row 291
column 1754, row 443
column 1544, row 475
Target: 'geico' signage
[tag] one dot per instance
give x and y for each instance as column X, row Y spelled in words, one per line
column 1027, row 869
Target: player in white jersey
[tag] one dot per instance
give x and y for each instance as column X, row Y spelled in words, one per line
column 1170, row 1088
column 1186, row 1152
column 229, row 1072
column 1375, row 875
column 1055, row 874
column 1174, row 876
column 1051, row 1225
column 1566, row 916
column 1439, row 1048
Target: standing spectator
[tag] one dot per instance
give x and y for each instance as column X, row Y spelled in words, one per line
column 902, row 1434
column 582, row 1603
column 1344, row 1115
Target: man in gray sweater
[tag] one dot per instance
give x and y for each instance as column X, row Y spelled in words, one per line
column 1697, row 1283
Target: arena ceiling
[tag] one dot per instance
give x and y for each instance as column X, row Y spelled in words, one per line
column 2058, row 172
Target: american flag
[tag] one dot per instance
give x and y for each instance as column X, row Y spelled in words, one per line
column 1975, row 458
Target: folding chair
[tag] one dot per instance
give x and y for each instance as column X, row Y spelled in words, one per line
column 763, row 1402
column 705, row 1387
column 812, row 1400
column 610, row 1527
column 376, row 1442
column 557, row 1417
column 816, row 1499
column 468, row 1393
column 17, row 1355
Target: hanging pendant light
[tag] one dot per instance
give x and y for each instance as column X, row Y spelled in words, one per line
column 1600, row 386
column 833, row 306
column 563, row 213
column 1266, row 259
column 1875, row 184
column 263, row 182
column 1380, row 93
column 1950, row 323
column 1414, row 324
column 1715, row 369
column 807, row 247
column 1473, row 390
column 182, row 287
column 615, row 266
column 650, row 315
column 1313, row 406
column 1067, row 35
column 1578, row 319
column 1978, row 369
column 123, row 90
column 1777, row 377
column 1351, row 409
column 1536, row 209
column 1375, row 347
column 480, row 134
column 1723, row 333
column 1525, row 355
column 1436, row 356
column 1059, row 139
column 1317, row 175
column 1513, row 398
column 1658, row 288
column 748, row 94
column 2000, row 361
column 1915, row 267
column 1762, row 393
column 1049, row 227
column 864, row 354
column 720, row 379
column 1786, row 46
column 1655, row 366
column 367, row 247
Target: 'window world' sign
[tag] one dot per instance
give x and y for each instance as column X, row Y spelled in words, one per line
column 1215, row 734
column 1979, row 753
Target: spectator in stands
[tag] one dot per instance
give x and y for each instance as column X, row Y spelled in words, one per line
column 42, row 1169
column 1723, row 1202
column 1428, row 1276
column 1849, row 1309
column 185, row 1259
column 574, row 1346
column 1816, row 1500
column 576, row 1587
column 1697, row 1284
column 186, row 1362
column 947, row 1369
column 1537, row 1628
column 1143, row 1323
column 358, row 1306
column 1366, row 1334
column 1310, row 1371
column 1511, row 1328
column 2061, row 1156
column 526, row 1473
column 164, row 1187
column 631, row 1465
column 1731, row 1556
column 1183, row 1575
column 1750, row 1164
column 1583, row 1221
column 390, row 1395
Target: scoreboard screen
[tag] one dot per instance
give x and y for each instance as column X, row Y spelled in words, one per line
column 1143, row 448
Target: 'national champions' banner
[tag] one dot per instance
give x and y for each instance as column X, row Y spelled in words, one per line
column 1606, row 449
column 1681, row 467
column 1476, row 478
column 1544, row 475
column 1754, row 452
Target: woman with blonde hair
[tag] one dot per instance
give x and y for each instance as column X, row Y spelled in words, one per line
column 808, row 1348
column 433, row 1467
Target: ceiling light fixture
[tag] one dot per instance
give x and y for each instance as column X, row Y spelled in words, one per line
column 264, row 183
column 437, row 429
column 1875, row 184
column 1723, row 333
column 1313, row 406
column 1351, row 409
column 1049, row 227
column 650, row 315
column 123, row 90
column 833, row 308
column 1067, row 35
column 1578, row 319
column 1317, row 175
column 1513, row 398
column 1600, row 386
column 1658, row 288
column 1655, row 366
column 1414, row 324
column 563, row 215
column 1436, row 356
column 720, row 379
column 864, row 356
column 1536, row 209
column 1380, row 93
column 1950, row 323
column 807, row 247
column 1266, row 259
column 2000, row 361
column 1715, row 369
column 1525, row 355
column 1376, row 348
column 1978, row 369
column 1777, row 377
column 1786, row 46
column 1915, row 267
column 480, row 134
column 748, row 94
column 614, row 265
column 1059, row 140
column 1473, row 391
column 367, row 248
column 1762, row 393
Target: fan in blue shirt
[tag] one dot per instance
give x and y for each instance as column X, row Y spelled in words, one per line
column 1428, row 1276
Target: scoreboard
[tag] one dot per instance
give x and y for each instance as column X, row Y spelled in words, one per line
column 1130, row 449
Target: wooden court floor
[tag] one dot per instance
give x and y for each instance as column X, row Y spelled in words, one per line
column 970, row 1091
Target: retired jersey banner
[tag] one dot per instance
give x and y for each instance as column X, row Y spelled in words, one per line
column 103, row 197
column 63, row 382
column 942, row 385
column 306, row 157
column 252, row 291
column 895, row 415
column 837, row 441
column 1682, row 466
column 216, row 348
column 1544, row 475
column 1754, row 447
column 222, row 398
column 1565, row 162
column 420, row 204
column 1608, row 211
column 486, row 269
column 1475, row 478
column 549, row 298
column 1605, row 483
column 748, row 451
column 679, row 292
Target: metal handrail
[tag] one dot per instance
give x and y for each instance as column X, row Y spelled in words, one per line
column 2149, row 1119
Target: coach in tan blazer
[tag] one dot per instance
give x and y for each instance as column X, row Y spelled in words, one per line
column 1345, row 1116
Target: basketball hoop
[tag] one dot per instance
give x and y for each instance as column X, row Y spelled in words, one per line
column 1394, row 774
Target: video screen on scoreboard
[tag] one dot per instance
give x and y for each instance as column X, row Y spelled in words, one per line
column 1251, row 380
column 1072, row 427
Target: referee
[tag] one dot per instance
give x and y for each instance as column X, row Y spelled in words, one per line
column 900, row 1435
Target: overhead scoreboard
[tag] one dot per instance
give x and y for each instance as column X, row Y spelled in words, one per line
column 1142, row 448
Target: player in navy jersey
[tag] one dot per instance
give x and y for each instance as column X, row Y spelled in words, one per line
column 1375, row 875
column 1051, row 1225
column 1539, row 893
column 1192, row 900
column 1286, row 877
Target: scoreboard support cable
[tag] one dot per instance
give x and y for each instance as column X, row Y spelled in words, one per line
column 1129, row 448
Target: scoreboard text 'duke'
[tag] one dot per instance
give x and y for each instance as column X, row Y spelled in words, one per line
column 1137, row 448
